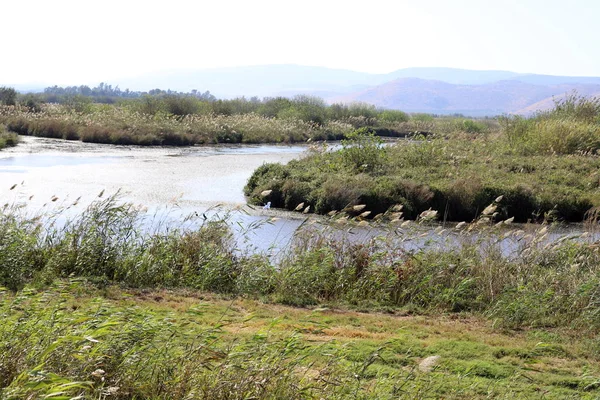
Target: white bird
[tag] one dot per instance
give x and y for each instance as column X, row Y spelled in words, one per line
column 267, row 206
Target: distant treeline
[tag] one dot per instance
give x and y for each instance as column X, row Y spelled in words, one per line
column 157, row 101
column 105, row 93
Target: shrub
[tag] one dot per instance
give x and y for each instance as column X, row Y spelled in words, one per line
column 363, row 151
column 470, row 126
column 392, row 116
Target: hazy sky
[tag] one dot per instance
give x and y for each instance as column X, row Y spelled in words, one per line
column 74, row 42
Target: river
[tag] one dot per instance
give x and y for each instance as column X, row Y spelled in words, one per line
column 172, row 182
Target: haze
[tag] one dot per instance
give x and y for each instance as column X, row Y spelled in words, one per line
column 75, row 42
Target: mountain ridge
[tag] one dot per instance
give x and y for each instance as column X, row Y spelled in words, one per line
column 437, row 90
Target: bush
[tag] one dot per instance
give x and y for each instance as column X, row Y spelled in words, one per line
column 471, row 126
column 363, row 151
column 7, row 139
column 392, row 116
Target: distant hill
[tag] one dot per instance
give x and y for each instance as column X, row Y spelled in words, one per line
column 453, row 75
column 435, row 90
column 506, row 96
column 26, row 88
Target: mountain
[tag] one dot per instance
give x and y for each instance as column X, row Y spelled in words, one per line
column 269, row 80
column 453, row 75
column 287, row 79
column 26, row 88
column 434, row 90
column 431, row 96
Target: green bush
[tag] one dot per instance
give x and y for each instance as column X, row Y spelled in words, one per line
column 363, row 151
column 392, row 116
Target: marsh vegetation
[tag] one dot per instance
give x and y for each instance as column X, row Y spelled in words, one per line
column 181, row 120
column 545, row 167
column 99, row 307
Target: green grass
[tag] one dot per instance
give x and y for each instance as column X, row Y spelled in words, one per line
column 101, row 308
column 459, row 176
column 73, row 339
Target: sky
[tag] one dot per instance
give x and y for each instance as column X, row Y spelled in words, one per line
column 86, row 42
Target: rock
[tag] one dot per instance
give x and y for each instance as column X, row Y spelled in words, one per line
column 427, row 364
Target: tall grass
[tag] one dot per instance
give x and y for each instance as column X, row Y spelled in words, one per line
column 572, row 126
column 458, row 176
column 187, row 121
column 111, row 124
column 544, row 285
column 60, row 344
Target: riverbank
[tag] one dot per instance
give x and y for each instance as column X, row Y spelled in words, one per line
column 110, row 243
column 236, row 121
column 449, row 178
column 129, row 308
column 114, row 308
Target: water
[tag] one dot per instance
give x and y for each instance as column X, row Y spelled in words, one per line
column 175, row 182
column 168, row 181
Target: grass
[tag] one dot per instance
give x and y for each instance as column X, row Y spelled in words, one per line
column 73, row 339
column 546, row 169
column 109, row 243
column 98, row 307
column 120, row 125
column 151, row 121
column 573, row 126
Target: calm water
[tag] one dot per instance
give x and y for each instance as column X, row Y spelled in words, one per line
column 175, row 182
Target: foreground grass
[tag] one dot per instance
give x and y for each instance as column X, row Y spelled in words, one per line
column 73, row 339
column 99, row 307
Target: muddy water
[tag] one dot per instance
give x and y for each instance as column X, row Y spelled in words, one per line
column 175, row 182
column 201, row 176
column 170, row 182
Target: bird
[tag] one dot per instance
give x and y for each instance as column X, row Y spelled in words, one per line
column 267, row 206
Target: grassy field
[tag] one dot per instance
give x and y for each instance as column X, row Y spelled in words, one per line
column 546, row 168
column 101, row 308
column 172, row 121
column 73, row 340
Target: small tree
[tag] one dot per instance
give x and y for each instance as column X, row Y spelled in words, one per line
column 8, row 96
